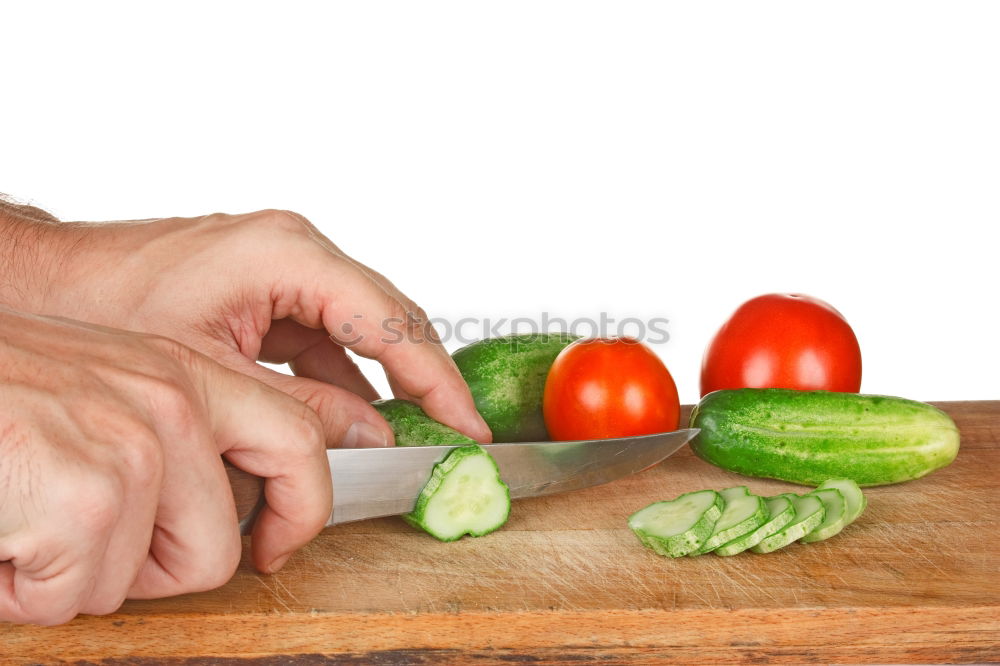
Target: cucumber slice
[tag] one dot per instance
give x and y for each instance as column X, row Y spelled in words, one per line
column 680, row 526
column 809, row 512
column 856, row 500
column 834, row 515
column 780, row 514
column 743, row 513
column 464, row 495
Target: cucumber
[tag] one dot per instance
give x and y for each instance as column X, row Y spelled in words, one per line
column 856, row 500
column 780, row 513
column 680, row 526
column 743, row 513
column 809, row 436
column 413, row 427
column 834, row 515
column 464, row 495
column 506, row 376
column 809, row 513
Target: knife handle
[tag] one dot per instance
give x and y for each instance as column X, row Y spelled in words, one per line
column 248, row 491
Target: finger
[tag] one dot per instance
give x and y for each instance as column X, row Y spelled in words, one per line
column 48, row 581
column 195, row 543
column 348, row 421
column 128, row 549
column 432, row 338
column 400, row 340
column 311, row 353
column 31, row 599
column 265, row 432
column 328, row 362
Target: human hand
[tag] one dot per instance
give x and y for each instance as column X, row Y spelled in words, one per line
column 267, row 286
column 111, row 480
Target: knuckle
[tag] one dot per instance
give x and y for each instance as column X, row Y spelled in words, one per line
column 417, row 313
column 320, row 402
column 397, row 321
column 307, row 435
column 97, row 501
column 282, row 220
column 166, row 382
column 171, row 400
column 216, row 568
column 143, row 458
column 216, row 219
column 416, row 326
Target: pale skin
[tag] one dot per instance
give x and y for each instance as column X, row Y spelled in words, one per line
column 128, row 372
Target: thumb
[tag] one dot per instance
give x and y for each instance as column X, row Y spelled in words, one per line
column 270, row 434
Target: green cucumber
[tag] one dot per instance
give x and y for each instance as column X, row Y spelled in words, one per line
column 809, row 436
column 780, row 514
column 506, row 376
column 809, row 513
column 413, row 427
column 743, row 513
column 856, row 500
column 834, row 515
column 680, row 526
column 464, row 495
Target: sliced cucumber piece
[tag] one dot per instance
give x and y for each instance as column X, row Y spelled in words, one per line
column 856, row 500
column 464, row 495
column 809, row 512
column 834, row 515
column 780, row 514
column 743, row 513
column 680, row 526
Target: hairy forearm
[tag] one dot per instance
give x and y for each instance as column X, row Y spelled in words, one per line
column 31, row 244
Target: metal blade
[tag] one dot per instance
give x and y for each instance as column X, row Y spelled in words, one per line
column 368, row 483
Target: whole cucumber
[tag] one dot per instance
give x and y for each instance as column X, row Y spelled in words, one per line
column 809, row 436
column 412, row 427
column 506, row 376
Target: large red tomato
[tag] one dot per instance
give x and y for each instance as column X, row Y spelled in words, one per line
column 783, row 341
column 609, row 387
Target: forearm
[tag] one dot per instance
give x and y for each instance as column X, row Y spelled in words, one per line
column 32, row 244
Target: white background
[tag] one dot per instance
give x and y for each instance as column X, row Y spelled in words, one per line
column 504, row 159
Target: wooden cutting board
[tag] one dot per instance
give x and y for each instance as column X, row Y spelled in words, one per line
column 916, row 579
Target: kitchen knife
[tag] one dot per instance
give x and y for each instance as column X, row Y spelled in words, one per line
column 369, row 483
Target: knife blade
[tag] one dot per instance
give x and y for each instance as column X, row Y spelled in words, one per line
column 371, row 483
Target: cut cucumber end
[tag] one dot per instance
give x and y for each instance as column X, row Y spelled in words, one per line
column 464, row 495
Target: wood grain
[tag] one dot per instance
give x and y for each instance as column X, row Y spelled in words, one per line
column 914, row 580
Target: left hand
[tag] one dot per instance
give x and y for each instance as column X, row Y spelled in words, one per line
column 267, row 286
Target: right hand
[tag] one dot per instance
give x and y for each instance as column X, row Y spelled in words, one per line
column 112, row 483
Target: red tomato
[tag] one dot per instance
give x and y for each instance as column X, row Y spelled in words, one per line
column 783, row 341
column 609, row 387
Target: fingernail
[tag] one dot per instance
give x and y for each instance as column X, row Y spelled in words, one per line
column 363, row 435
column 278, row 563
